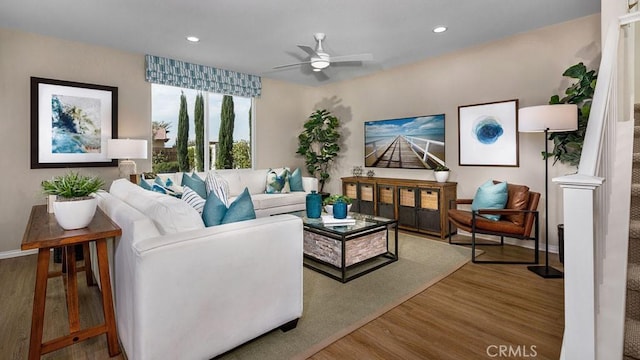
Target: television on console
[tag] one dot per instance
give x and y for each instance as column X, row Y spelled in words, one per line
column 405, row 143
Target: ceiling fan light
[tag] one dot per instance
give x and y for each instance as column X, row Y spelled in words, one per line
column 317, row 70
column 320, row 64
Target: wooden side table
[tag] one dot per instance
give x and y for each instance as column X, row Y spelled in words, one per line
column 44, row 233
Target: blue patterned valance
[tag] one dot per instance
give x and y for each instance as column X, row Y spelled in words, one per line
column 199, row 77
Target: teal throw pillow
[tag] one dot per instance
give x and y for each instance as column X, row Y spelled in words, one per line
column 195, row 183
column 216, row 213
column 490, row 196
column 295, row 180
column 241, row 209
column 213, row 211
column 144, row 184
column 157, row 188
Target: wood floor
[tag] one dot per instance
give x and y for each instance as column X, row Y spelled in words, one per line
column 475, row 313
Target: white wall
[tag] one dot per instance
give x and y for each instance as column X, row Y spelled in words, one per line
column 527, row 67
column 23, row 55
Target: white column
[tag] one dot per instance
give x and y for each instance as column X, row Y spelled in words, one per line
column 579, row 267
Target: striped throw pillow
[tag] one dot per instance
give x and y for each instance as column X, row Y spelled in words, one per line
column 192, row 198
column 219, row 186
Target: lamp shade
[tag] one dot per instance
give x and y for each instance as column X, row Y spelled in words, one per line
column 553, row 118
column 127, row 149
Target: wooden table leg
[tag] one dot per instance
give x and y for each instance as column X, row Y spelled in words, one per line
column 37, row 317
column 87, row 264
column 107, row 301
column 72, row 290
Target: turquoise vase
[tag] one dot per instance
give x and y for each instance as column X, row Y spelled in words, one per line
column 340, row 209
column 314, row 205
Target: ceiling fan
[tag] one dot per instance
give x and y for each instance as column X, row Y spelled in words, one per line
column 320, row 59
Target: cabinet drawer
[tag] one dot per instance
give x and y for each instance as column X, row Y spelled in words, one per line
column 407, row 197
column 429, row 199
column 385, row 194
column 351, row 190
column 366, row 192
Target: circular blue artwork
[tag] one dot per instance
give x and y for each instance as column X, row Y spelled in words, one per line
column 487, row 129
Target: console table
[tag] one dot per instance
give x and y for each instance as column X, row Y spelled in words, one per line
column 44, row 233
column 418, row 205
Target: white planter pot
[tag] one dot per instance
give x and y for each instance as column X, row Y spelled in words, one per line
column 441, row 176
column 74, row 214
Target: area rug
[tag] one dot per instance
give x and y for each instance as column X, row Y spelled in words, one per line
column 333, row 310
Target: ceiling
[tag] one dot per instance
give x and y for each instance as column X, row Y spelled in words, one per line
column 253, row 36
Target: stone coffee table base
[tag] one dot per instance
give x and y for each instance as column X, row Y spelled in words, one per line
column 329, row 250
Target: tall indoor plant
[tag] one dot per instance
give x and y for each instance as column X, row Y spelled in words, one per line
column 318, row 143
column 73, row 208
column 567, row 146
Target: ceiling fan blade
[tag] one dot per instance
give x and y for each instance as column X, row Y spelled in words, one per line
column 321, row 76
column 308, row 50
column 289, row 65
column 346, row 63
column 357, row 57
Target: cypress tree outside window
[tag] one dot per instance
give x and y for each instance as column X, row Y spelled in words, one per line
column 165, row 103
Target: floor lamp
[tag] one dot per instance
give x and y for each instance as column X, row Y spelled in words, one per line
column 127, row 149
column 547, row 118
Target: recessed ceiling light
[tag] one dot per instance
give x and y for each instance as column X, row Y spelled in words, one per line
column 193, row 38
column 439, row 29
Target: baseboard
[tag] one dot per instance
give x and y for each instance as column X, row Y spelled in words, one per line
column 527, row 244
column 15, row 253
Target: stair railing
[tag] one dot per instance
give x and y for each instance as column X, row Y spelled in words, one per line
column 596, row 234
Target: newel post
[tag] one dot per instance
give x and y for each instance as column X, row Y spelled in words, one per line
column 580, row 216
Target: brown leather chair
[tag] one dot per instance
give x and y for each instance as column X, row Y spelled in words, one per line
column 517, row 220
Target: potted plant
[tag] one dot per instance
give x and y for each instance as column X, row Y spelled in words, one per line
column 567, row 146
column 318, row 143
column 441, row 173
column 330, row 200
column 73, row 207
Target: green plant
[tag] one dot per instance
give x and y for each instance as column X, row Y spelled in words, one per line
column 318, row 143
column 567, row 146
column 330, row 200
column 441, row 167
column 72, row 185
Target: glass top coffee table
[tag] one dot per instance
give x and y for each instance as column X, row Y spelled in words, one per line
column 345, row 252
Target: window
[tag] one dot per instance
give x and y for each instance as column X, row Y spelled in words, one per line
column 165, row 112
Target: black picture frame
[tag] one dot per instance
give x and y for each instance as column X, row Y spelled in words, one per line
column 71, row 123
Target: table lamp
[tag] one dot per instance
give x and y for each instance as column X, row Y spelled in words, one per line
column 125, row 150
column 547, row 118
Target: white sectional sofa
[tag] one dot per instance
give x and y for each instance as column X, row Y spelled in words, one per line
column 185, row 291
column 255, row 180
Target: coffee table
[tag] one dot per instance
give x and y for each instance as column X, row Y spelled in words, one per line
column 347, row 252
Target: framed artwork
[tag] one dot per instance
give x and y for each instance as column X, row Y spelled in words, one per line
column 488, row 134
column 406, row 143
column 71, row 123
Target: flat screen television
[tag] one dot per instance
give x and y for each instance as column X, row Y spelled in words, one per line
column 405, row 143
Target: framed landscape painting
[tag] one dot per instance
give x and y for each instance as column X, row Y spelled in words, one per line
column 406, row 143
column 488, row 134
column 71, row 123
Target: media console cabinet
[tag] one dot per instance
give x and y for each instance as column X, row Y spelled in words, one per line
column 418, row 205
